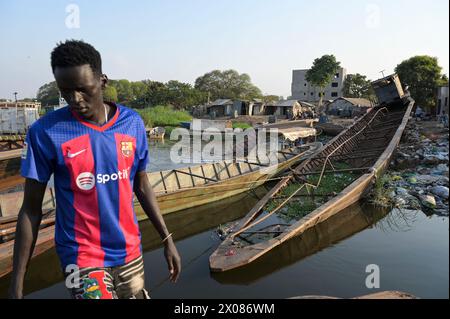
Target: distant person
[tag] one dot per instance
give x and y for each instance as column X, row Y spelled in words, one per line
column 323, row 118
column 444, row 119
column 98, row 153
column 419, row 112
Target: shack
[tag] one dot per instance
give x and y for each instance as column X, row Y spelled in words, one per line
column 220, row 107
column 17, row 117
column 284, row 109
column 349, row 107
column 256, row 107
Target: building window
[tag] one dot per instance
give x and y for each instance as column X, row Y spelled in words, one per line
column 304, row 93
column 446, row 100
column 336, row 76
column 312, row 93
column 305, row 84
column 334, row 94
column 334, row 84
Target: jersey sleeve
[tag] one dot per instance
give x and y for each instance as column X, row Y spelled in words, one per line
column 141, row 146
column 37, row 155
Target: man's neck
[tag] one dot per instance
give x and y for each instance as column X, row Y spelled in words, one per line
column 101, row 114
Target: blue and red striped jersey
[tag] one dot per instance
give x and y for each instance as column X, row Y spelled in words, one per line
column 94, row 169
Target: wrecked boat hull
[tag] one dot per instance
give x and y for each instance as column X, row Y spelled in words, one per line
column 230, row 256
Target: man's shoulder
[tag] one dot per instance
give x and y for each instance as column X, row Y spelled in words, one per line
column 128, row 113
column 51, row 118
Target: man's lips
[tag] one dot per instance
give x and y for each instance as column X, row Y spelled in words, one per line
column 80, row 109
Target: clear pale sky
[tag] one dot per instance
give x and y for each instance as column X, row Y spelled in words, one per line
column 181, row 40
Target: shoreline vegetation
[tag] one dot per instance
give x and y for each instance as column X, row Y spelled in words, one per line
column 169, row 118
column 164, row 116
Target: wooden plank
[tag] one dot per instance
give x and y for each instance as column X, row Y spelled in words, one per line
column 195, row 175
column 163, row 182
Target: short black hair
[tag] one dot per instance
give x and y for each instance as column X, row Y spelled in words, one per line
column 76, row 53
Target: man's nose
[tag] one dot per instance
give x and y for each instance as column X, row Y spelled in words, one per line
column 76, row 97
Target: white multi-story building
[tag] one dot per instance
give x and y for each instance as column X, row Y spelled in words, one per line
column 304, row 91
column 442, row 100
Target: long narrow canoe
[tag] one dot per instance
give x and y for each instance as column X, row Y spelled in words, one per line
column 348, row 222
column 318, row 188
column 176, row 190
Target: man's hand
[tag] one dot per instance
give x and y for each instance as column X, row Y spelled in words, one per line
column 173, row 260
column 15, row 293
column 27, row 230
column 146, row 196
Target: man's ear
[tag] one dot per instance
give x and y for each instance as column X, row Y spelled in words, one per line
column 104, row 80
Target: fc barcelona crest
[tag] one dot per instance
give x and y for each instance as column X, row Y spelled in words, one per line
column 127, row 148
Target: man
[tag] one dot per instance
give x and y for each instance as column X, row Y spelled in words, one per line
column 98, row 153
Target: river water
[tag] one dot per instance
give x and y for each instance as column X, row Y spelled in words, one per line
column 410, row 249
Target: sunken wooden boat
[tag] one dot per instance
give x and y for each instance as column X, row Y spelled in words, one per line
column 318, row 188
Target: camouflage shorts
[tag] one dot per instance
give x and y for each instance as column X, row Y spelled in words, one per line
column 121, row 282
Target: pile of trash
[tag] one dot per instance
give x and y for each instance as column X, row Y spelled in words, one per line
column 419, row 175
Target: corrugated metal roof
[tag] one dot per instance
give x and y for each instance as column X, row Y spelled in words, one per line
column 284, row 103
column 357, row 101
column 219, row 102
column 302, row 103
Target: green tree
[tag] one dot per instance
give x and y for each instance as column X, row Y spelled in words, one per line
column 183, row 95
column 155, row 94
column 48, row 94
column 322, row 72
column 422, row 74
column 124, row 90
column 227, row 84
column 271, row 98
column 139, row 90
column 358, row 86
column 110, row 94
column 443, row 81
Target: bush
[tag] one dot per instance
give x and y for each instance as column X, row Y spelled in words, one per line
column 381, row 193
column 163, row 116
column 241, row 125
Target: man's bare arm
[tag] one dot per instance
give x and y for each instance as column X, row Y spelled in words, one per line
column 27, row 229
column 147, row 198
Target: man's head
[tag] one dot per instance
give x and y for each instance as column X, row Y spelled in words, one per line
column 77, row 67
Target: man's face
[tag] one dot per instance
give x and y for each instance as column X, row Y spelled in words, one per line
column 81, row 88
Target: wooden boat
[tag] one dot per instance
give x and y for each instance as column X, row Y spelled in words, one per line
column 9, row 163
column 10, row 142
column 156, row 133
column 390, row 294
column 183, row 224
column 176, row 189
column 183, row 188
column 330, row 232
column 338, row 175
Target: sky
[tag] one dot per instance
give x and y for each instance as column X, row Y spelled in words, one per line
column 164, row 40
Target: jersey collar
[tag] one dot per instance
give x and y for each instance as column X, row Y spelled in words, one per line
column 101, row 128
